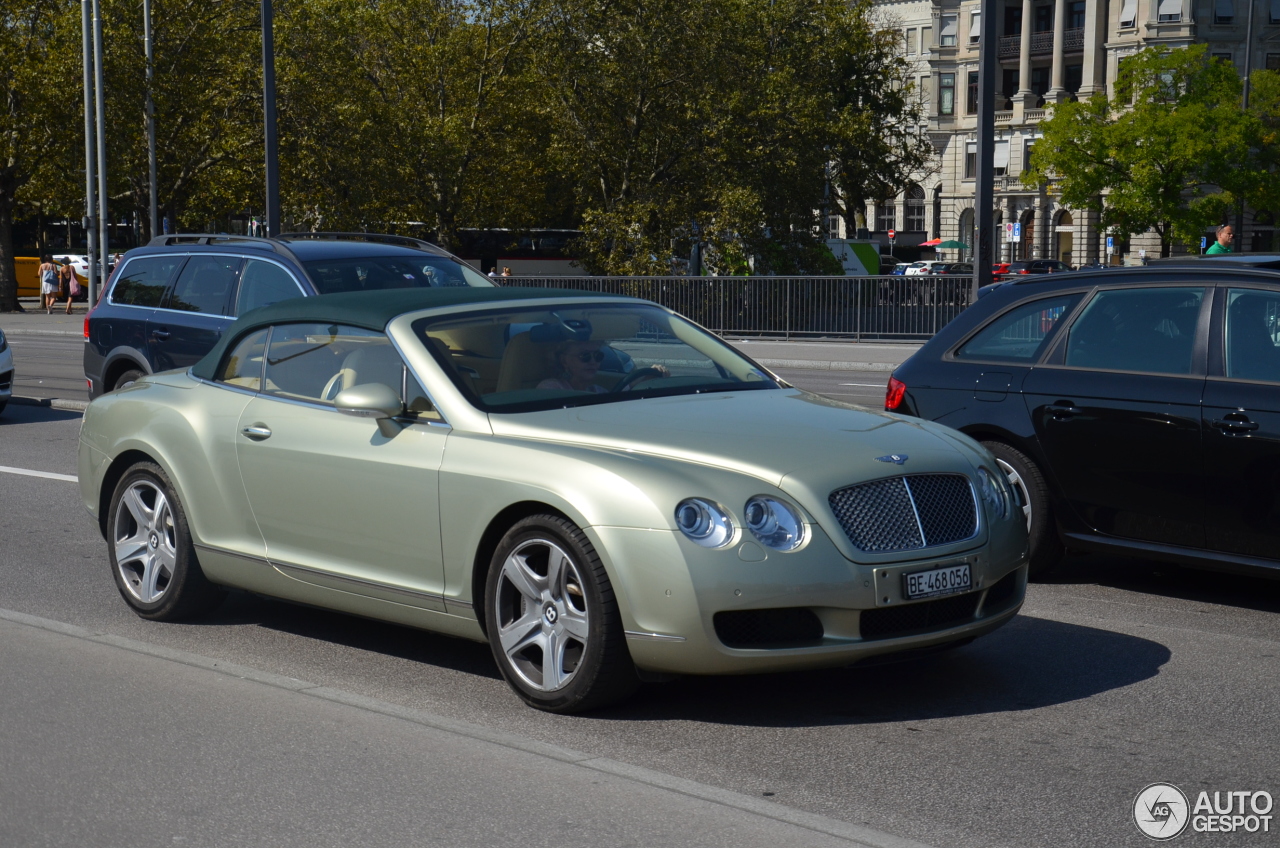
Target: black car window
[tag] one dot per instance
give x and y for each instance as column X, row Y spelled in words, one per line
column 205, row 285
column 142, row 282
column 376, row 273
column 1253, row 335
column 243, row 366
column 1148, row 330
column 1020, row 334
column 263, row 283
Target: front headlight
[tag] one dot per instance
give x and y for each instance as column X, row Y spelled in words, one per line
column 992, row 490
column 774, row 523
column 704, row 522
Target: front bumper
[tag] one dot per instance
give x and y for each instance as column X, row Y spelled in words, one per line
column 677, row 600
column 7, row 374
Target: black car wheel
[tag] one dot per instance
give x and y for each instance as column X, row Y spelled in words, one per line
column 128, row 378
column 1027, row 482
column 552, row 619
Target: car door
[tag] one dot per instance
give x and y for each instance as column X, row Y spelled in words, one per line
column 1242, row 424
column 140, row 288
column 263, row 282
column 1116, row 410
column 195, row 311
column 338, row 502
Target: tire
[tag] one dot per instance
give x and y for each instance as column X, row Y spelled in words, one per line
column 152, row 556
column 127, row 378
column 1027, row 482
column 555, row 631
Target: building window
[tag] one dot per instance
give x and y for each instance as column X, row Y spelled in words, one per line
column 884, row 217
column 1010, row 81
column 1000, row 158
column 1073, row 78
column 975, row 27
column 926, row 40
column 1275, row 11
column 833, row 226
column 950, row 28
column 970, row 159
column 972, row 102
column 926, row 91
column 1075, row 14
column 1027, row 147
column 1273, row 61
column 1226, row 57
column 1013, row 20
column 1169, row 11
column 947, row 94
column 1224, row 11
column 1040, row 80
column 1129, row 14
column 1044, row 19
column 915, row 210
column 911, row 42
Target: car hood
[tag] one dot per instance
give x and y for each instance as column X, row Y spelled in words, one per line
column 774, row 435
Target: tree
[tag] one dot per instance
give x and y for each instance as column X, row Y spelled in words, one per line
column 1172, row 153
column 37, row 39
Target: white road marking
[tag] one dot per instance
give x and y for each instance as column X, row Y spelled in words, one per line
column 27, row 472
column 866, row 385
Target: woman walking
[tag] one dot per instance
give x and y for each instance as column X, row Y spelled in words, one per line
column 48, row 283
column 68, row 283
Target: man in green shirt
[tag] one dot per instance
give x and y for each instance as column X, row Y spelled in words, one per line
column 1223, row 244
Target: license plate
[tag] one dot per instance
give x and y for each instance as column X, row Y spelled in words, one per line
column 936, row 581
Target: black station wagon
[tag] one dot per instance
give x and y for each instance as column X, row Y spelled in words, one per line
column 168, row 303
column 1134, row 410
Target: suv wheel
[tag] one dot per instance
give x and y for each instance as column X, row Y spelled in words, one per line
column 1027, row 482
column 128, row 378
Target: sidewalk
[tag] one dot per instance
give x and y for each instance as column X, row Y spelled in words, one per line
column 34, row 322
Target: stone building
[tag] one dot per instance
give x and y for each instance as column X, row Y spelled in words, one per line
column 1049, row 51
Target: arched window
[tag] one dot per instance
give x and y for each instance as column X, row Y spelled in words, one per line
column 915, row 210
column 885, row 217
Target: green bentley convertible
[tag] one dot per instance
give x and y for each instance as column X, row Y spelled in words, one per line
column 602, row 490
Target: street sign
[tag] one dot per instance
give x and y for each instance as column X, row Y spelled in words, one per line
column 1008, row 232
column 1204, row 242
column 892, row 234
column 1017, row 230
column 1111, row 244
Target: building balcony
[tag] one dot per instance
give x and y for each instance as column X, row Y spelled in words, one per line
column 1042, row 43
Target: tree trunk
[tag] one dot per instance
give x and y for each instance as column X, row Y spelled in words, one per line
column 8, row 274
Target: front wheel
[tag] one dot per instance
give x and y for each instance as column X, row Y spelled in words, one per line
column 152, row 556
column 1028, row 484
column 553, row 621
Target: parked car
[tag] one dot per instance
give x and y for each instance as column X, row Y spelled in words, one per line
column 6, row 372
column 923, row 268
column 999, row 270
column 1036, row 266
column 1134, row 410
column 894, row 269
column 459, row 460
column 172, row 300
column 955, row 268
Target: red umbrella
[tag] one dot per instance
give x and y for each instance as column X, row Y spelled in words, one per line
column 931, row 243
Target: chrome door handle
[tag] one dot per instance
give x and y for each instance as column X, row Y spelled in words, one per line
column 160, row 335
column 257, row 432
column 1063, row 409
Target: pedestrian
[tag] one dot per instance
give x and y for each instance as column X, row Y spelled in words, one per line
column 70, row 285
column 48, row 273
column 1223, row 244
column 506, row 272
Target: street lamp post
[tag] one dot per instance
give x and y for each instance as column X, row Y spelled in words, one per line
column 269, row 116
column 90, row 152
column 984, row 199
column 151, row 119
column 1244, row 105
column 100, row 109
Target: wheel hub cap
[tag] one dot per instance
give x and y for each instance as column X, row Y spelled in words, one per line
column 541, row 614
column 145, row 541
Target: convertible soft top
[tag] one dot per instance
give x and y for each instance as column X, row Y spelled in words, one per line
column 371, row 310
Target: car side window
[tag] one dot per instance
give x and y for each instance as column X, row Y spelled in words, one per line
column 142, row 282
column 264, row 283
column 205, row 285
column 1021, row 334
column 316, row 362
column 243, row 366
column 1253, row 335
column 1150, row 330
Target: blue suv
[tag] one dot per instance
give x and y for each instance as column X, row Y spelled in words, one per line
column 168, row 303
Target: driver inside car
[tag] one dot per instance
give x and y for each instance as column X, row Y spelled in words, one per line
column 576, row 364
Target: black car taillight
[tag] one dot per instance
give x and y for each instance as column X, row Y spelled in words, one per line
column 894, row 393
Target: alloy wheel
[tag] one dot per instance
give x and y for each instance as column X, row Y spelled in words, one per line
column 541, row 613
column 145, row 542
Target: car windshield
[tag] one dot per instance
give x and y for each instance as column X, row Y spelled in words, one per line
column 523, row 360
column 375, row 273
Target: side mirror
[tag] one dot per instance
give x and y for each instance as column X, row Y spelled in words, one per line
column 372, row 400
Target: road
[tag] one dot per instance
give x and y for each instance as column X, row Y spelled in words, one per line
column 1116, row 675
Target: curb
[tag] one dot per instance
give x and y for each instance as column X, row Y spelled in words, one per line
column 827, row 365
column 22, row 331
column 51, row 403
column 859, row 836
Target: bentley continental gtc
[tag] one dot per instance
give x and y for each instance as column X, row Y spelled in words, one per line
column 600, row 489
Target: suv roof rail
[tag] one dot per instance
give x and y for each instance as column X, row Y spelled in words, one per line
column 214, row 238
column 378, row 238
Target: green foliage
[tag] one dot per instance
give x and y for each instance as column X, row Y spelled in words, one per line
column 1173, row 152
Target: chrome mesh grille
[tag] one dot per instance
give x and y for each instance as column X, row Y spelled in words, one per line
column 905, row 513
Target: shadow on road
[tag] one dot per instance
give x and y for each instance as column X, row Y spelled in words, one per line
column 1255, row 592
column 1028, row 664
column 18, row 413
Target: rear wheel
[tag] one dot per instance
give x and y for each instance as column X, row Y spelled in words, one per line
column 553, row 621
column 152, row 556
column 1028, row 484
column 128, row 378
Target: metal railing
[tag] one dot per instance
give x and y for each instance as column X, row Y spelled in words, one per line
column 845, row 308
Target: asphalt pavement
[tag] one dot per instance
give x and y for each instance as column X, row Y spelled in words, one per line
column 1116, row 675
